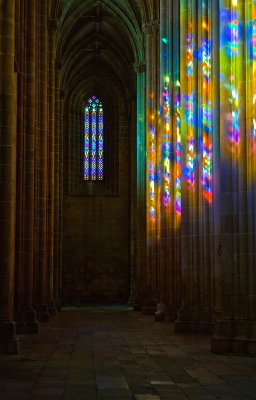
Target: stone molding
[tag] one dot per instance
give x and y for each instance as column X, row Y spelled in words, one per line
column 139, row 68
column 151, row 27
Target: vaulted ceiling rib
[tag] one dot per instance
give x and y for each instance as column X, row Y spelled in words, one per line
column 102, row 33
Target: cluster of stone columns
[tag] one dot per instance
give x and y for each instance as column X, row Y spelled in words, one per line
column 200, row 270
column 151, row 37
column 31, row 146
column 8, row 342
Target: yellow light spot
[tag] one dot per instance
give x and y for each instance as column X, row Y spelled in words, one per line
column 205, row 25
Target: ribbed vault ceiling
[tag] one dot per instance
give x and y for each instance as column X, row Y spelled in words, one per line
column 94, row 35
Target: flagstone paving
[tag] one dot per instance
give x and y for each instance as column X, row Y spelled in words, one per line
column 113, row 353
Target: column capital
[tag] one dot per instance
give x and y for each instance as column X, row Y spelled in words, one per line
column 151, row 27
column 139, row 67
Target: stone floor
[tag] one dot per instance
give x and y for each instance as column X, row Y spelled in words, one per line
column 113, row 353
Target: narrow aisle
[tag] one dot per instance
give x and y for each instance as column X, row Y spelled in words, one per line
column 114, row 353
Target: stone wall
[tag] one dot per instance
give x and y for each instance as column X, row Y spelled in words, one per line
column 96, row 230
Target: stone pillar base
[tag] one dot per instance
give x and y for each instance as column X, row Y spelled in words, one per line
column 137, row 303
column 58, row 304
column 31, row 322
column 21, row 328
column 52, row 308
column 148, row 309
column 43, row 314
column 160, row 312
column 166, row 312
column 238, row 346
column 20, row 324
column 194, row 321
column 9, row 344
column 26, row 322
column 234, row 335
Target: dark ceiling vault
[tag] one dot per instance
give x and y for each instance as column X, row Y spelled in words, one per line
column 99, row 35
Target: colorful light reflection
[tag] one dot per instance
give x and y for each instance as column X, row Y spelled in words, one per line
column 178, row 176
column 207, row 152
column 166, row 142
column 151, row 169
column 206, row 110
column 254, row 40
column 231, row 36
column 189, row 51
column 252, row 16
column 188, row 171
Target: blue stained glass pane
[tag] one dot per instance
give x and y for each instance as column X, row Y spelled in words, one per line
column 93, row 140
column 100, row 146
column 94, row 147
column 87, row 145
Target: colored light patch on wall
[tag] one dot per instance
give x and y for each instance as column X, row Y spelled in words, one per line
column 251, row 27
column 206, row 107
column 166, row 141
column 151, row 170
column 231, row 33
column 189, row 107
column 206, row 60
column 188, row 170
column 253, row 41
column 207, row 151
column 178, row 175
column 189, row 51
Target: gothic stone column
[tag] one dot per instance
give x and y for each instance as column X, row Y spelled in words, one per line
column 29, row 315
column 57, row 154
column 43, row 313
column 169, row 250
column 8, row 341
column 52, row 26
column 138, row 267
column 198, row 233
column 18, row 306
column 61, row 172
column 235, row 330
column 151, row 30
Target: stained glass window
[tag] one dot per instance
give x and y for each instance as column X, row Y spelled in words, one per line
column 93, row 140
